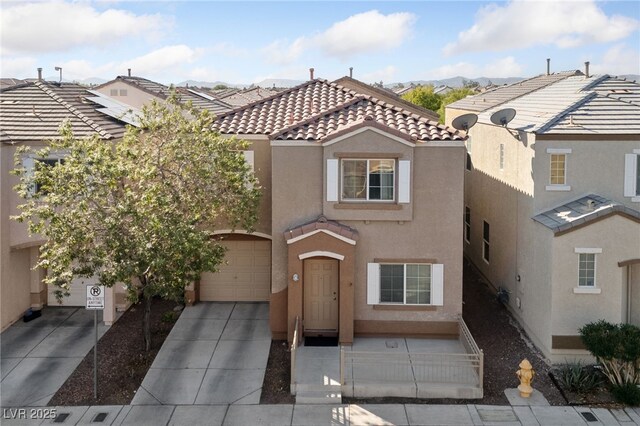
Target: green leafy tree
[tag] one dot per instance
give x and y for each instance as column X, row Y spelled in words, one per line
column 424, row 97
column 141, row 210
column 220, row 87
column 452, row 96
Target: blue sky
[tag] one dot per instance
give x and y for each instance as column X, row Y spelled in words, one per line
column 245, row 42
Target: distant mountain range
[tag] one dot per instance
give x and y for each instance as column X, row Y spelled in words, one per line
column 459, row 81
column 270, row 82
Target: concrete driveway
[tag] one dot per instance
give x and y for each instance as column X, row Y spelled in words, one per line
column 216, row 353
column 37, row 357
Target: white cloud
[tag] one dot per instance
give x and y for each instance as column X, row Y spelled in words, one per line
column 162, row 60
column 502, row 68
column 385, row 74
column 18, row 67
column 367, row 32
column 520, row 24
column 58, row 26
column 227, row 49
column 619, row 59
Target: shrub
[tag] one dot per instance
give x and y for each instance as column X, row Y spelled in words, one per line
column 627, row 393
column 169, row 316
column 578, row 378
column 617, row 349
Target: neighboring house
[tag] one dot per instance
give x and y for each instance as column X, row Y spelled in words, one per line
column 552, row 199
column 138, row 91
column 360, row 227
column 247, row 96
column 31, row 114
column 442, row 90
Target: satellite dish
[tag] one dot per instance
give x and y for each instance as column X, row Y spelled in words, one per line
column 464, row 122
column 503, row 117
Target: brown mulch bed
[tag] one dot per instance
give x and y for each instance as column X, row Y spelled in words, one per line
column 277, row 377
column 122, row 361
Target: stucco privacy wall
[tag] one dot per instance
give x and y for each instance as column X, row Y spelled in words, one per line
column 619, row 239
column 432, row 230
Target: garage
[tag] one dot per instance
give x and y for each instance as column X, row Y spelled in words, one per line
column 245, row 276
column 77, row 296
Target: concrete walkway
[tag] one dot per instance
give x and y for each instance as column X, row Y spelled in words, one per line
column 37, row 357
column 391, row 414
column 216, row 353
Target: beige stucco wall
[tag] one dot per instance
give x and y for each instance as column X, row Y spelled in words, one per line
column 593, row 167
column 135, row 97
column 619, row 239
column 433, row 230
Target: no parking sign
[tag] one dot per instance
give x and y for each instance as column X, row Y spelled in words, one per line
column 95, row 297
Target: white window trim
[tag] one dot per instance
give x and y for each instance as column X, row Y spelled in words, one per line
column 592, row 288
column 367, row 200
column 487, row 242
column 564, row 186
column 436, row 290
column 404, row 286
column 630, row 176
column 587, row 250
column 559, row 150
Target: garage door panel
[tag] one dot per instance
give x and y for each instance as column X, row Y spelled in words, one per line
column 77, row 296
column 246, row 276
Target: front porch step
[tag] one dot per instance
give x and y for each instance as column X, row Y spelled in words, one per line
column 319, row 397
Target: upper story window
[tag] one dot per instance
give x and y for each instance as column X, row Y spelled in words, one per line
column 501, row 156
column 405, row 283
column 558, row 169
column 123, row 92
column 113, row 92
column 368, row 180
column 632, row 175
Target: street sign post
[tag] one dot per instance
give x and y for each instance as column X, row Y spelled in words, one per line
column 95, row 302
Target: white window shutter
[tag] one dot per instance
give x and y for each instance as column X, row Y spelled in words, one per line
column 332, row 180
column 437, row 284
column 373, row 283
column 249, row 159
column 404, row 181
column 630, row 170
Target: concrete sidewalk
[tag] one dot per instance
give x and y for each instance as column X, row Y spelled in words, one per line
column 388, row 414
column 37, row 357
column 216, row 353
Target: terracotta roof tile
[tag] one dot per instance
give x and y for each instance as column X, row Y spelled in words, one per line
column 317, row 109
column 321, row 223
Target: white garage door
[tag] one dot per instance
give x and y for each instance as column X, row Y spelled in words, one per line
column 246, row 276
column 78, row 293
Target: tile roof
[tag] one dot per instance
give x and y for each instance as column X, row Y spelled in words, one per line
column 581, row 212
column 318, row 108
column 34, row 112
column 361, row 110
column 577, row 105
column 245, row 97
column 321, row 223
column 502, row 94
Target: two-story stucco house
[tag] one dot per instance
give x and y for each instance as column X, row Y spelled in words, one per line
column 31, row 115
column 552, row 202
column 360, row 226
column 138, row 92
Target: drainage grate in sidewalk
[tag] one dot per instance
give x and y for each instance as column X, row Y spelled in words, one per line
column 61, row 417
column 589, row 416
column 99, row 418
column 495, row 416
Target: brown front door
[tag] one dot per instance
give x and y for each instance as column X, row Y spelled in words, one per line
column 321, row 312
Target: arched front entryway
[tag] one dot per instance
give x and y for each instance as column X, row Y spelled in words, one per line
column 321, row 276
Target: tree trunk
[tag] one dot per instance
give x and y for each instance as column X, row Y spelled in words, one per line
column 146, row 322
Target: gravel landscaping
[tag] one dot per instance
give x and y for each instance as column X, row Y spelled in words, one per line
column 122, row 361
column 277, row 377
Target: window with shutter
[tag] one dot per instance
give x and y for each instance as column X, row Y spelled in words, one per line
column 632, row 175
column 332, row 180
column 405, row 284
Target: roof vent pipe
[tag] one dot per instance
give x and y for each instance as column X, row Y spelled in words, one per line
column 311, row 73
column 548, row 66
column 350, row 72
column 586, row 69
column 39, row 74
column 129, row 72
